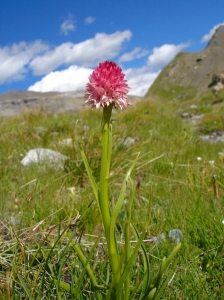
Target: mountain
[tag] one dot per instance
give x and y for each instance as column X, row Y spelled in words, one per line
column 193, row 75
column 14, row 102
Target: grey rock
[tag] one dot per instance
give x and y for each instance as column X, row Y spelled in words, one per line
column 15, row 220
column 129, row 141
column 218, row 87
column 159, row 239
column 213, row 138
column 175, row 235
column 179, row 97
column 66, row 142
column 48, row 157
column 196, row 119
column 185, row 115
column 40, row 130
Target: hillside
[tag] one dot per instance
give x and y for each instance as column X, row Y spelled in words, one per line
column 192, row 75
column 178, row 175
column 14, row 102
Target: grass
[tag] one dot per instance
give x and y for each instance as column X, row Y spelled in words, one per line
column 175, row 92
column 38, row 209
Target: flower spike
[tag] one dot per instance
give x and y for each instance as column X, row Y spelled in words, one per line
column 107, row 86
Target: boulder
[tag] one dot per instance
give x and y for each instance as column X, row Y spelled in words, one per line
column 218, row 87
column 44, row 156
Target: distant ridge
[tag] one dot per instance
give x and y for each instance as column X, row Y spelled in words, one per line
column 191, row 75
column 12, row 95
column 14, row 102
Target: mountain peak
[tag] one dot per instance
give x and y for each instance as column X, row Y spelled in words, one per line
column 191, row 75
column 218, row 38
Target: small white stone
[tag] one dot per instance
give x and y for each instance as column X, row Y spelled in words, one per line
column 175, row 235
column 45, row 156
column 129, row 141
column 65, row 142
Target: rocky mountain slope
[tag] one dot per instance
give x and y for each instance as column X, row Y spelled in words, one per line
column 14, row 102
column 192, row 75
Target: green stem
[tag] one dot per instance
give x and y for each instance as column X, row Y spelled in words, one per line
column 84, row 262
column 127, row 238
column 104, row 188
column 104, row 173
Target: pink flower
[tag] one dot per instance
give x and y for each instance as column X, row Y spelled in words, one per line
column 107, row 86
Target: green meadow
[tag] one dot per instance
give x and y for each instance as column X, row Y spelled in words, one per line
column 181, row 176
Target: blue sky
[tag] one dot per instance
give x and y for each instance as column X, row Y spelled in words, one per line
column 53, row 45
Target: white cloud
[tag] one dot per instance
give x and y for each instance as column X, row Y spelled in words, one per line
column 161, row 56
column 75, row 79
column 88, row 53
column 140, row 80
column 14, row 60
column 72, row 79
column 89, row 20
column 68, row 25
column 17, row 60
column 135, row 53
column 209, row 35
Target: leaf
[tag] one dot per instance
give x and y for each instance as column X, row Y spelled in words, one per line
column 81, row 277
column 90, row 175
column 48, row 257
column 146, row 265
column 130, row 262
column 164, row 265
column 65, row 286
column 112, row 247
column 168, row 279
column 84, row 262
column 127, row 247
column 120, row 199
column 151, row 294
column 26, row 289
